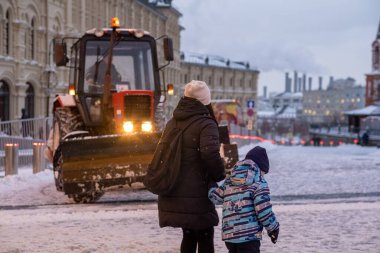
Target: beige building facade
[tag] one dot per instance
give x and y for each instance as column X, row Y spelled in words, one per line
column 226, row 79
column 30, row 80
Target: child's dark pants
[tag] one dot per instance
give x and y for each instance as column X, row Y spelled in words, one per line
column 245, row 247
column 203, row 238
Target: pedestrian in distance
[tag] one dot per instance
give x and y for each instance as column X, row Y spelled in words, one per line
column 365, row 138
column 187, row 206
column 24, row 124
column 246, row 204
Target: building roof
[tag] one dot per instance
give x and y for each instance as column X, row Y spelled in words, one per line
column 374, row 73
column 285, row 112
column 372, row 110
column 216, row 61
column 289, row 95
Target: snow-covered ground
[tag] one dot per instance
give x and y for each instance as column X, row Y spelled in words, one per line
column 326, row 199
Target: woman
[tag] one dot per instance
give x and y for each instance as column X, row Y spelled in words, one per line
column 188, row 206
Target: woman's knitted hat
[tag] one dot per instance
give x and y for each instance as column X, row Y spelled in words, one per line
column 198, row 90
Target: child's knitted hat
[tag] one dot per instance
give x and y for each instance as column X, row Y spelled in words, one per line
column 260, row 157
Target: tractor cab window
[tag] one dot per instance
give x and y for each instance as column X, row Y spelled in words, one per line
column 131, row 68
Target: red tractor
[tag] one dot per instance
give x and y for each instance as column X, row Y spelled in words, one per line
column 106, row 129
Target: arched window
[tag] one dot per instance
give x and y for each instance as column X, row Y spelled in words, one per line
column 29, row 101
column 376, row 59
column 7, row 33
column 32, row 35
column 26, row 42
column 4, row 101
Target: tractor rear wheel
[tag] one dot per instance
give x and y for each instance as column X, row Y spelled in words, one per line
column 66, row 120
column 57, row 169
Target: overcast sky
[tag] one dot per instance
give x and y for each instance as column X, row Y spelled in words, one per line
column 316, row 37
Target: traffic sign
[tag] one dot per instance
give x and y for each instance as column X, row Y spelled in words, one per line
column 250, row 112
column 250, row 103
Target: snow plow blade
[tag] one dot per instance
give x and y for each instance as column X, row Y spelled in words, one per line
column 92, row 164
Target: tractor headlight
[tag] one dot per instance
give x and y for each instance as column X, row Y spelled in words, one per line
column 146, row 126
column 128, row 126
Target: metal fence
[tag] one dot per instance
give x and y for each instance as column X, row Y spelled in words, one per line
column 23, row 132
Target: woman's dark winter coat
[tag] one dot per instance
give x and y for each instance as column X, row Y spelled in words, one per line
column 188, row 206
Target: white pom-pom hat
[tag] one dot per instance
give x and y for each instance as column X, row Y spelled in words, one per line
column 198, row 90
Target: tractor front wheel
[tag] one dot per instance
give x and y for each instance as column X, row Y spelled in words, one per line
column 87, row 197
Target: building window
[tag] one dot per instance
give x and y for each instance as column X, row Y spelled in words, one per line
column 4, row 101
column 7, row 33
column 29, row 101
column 32, row 39
column 376, row 56
column 231, row 82
column 29, row 40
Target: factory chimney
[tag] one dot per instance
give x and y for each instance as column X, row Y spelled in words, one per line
column 295, row 79
column 310, row 82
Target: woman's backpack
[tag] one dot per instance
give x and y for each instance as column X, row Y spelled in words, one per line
column 164, row 169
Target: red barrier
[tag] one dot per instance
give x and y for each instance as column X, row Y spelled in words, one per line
column 292, row 142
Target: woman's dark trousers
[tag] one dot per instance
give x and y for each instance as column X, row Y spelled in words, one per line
column 204, row 239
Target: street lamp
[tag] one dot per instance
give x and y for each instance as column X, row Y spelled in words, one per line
column 49, row 82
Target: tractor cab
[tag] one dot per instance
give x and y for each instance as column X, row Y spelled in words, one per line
column 108, row 64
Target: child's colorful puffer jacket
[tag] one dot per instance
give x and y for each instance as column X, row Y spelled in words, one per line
column 246, row 204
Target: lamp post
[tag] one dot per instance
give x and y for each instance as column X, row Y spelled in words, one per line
column 49, row 81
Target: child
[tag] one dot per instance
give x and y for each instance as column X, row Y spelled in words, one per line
column 246, row 204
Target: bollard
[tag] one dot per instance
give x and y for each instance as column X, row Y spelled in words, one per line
column 38, row 157
column 11, row 159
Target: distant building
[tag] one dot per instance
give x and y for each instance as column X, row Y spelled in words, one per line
column 327, row 107
column 287, row 99
column 227, row 79
column 373, row 78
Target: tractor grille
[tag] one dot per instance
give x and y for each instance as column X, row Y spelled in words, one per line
column 137, row 107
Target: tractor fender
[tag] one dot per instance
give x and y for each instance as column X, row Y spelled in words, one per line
column 64, row 101
column 75, row 134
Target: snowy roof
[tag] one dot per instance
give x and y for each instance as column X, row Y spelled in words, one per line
column 265, row 114
column 288, row 112
column 282, row 113
column 290, row 95
column 373, row 110
column 374, row 72
column 213, row 61
column 224, row 100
